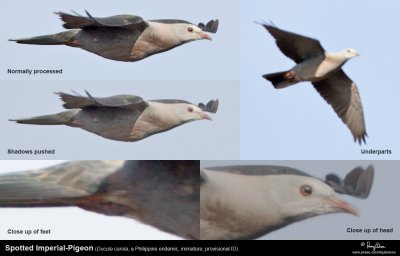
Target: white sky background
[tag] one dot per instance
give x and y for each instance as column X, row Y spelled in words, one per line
column 295, row 122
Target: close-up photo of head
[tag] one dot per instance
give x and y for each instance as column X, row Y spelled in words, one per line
column 298, row 200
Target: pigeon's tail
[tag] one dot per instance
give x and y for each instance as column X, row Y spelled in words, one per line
column 56, row 119
column 27, row 190
column 281, row 79
column 55, row 39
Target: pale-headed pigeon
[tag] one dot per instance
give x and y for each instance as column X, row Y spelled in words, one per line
column 163, row 194
column 246, row 202
column 123, row 37
column 324, row 71
column 124, row 117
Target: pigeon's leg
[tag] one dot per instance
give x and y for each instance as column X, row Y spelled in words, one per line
column 290, row 75
column 73, row 43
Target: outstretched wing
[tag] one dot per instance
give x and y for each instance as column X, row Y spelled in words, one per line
column 211, row 26
column 211, row 106
column 297, row 47
column 120, row 21
column 342, row 94
column 118, row 101
column 357, row 183
column 54, row 186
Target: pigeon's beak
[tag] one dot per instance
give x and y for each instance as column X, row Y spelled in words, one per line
column 205, row 36
column 205, row 116
column 343, row 206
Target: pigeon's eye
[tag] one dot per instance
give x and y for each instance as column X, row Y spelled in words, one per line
column 305, row 190
column 190, row 29
column 190, row 109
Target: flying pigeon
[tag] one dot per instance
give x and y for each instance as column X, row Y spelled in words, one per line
column 163, row 194
column 246, row 202
column 123, row 37
column 324, row 71
column 124, row 117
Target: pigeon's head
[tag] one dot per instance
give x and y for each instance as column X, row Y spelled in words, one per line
column 189, row 32
column 303, row 197
column 188, row 112
column 350, row 53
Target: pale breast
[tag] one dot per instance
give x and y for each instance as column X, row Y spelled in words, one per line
column 157, row 117
column 155, row 38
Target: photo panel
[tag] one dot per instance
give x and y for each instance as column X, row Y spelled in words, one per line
column 167, row 121
column 177, row 58
column 294, row 121
column 325, row 210
column 269, row 200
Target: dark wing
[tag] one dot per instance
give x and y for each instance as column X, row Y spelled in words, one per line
column 54, row 186
column 357, row 183
column 294, row 46
column 211, row 106
column 258, row 170
column 120, row 21
column 342, row 94
column 118, row 101
column 211, row 26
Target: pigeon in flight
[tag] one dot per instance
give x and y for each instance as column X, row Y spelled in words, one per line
column 324, row 71
column 163, row 194
column 123, row 37
column 124, row 117
column 246, row 202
